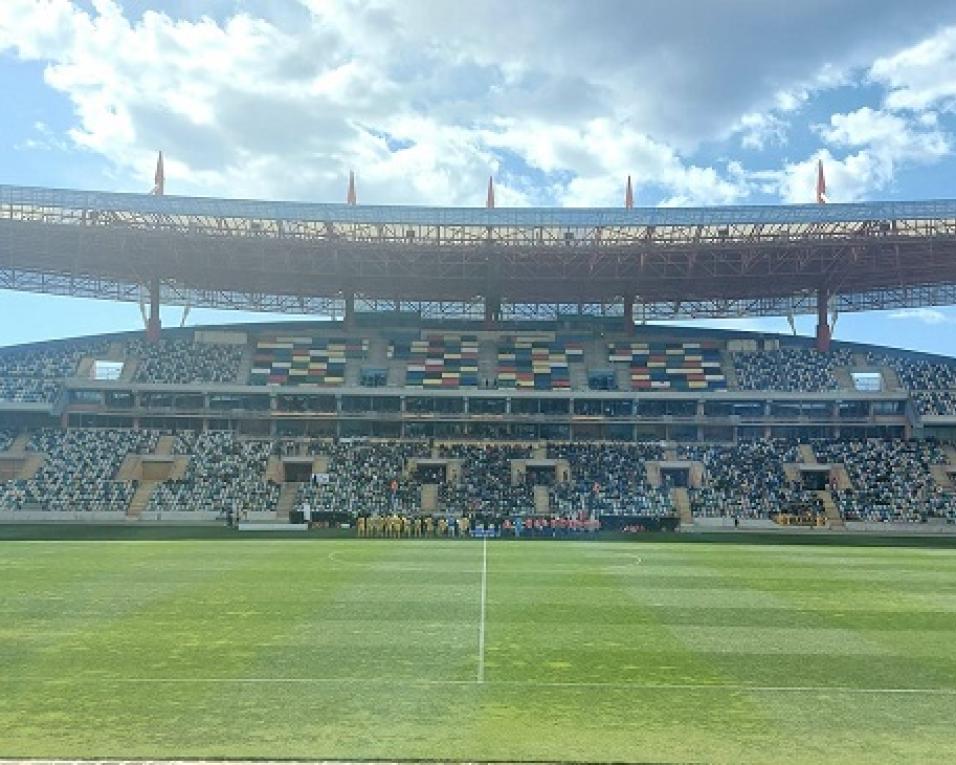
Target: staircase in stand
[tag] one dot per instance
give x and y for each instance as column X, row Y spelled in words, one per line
column 834, row 520
column 729, row 370
column 129, row 369
column 429, row 497
column 891, row 380
column 680, row 498
column 941, row 477
column 245, row 364
column 19, row 445
column 140, row 500
column 487, row 363
column 164, row 447
column 286, row 503
column 948, row 449
column 807, row 455
column 843, row 378
column 275, row 471
column 542, row 500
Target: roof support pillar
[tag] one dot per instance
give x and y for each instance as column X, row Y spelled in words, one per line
column 823, row 322
column 349, row 310
column 153, row 324
column 629, row 313
column 492, row 310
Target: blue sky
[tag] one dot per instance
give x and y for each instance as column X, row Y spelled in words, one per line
column 701, row 102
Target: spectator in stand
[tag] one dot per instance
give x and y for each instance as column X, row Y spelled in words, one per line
column 747, row 480
column 79, row 471
column 183, row 362
column 891, row 480
column 224, row 473
column 789, row 369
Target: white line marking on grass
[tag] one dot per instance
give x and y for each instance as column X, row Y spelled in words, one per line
column 481, row 621
column 411, row 681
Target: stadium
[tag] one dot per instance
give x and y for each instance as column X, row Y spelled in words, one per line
column 492, row 506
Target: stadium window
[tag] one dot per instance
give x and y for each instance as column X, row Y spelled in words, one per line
column 107, row 370
column 867, row 382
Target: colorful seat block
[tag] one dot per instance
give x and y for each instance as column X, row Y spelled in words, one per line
column 304, row 360
column 535, row 363
column 439, row 361
column 671, row 366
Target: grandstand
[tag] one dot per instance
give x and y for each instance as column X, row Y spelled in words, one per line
column 491, row 363
column 698, row 427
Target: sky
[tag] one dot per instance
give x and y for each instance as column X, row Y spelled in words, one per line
column 702, row 103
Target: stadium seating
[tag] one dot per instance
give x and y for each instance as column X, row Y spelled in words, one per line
column 891, row 480
column 935, row 402
column 485, row 485
column 361, row 479
column 533, row 363
column 932, row 383
column 304, row 359
column 789, row 369
column 78, row 471
column 608, row 480
column 917, row 374
column 439, row 361
column 181, row 361
column 747, row 480
column 35, row 374
column 224, row 474
column 670, row 366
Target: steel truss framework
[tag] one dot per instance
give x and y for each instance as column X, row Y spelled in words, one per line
column 450, row 262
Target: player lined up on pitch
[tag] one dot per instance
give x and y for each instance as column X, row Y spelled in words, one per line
column 400, row 526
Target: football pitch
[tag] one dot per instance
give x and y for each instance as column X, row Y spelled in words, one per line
column 465, row 650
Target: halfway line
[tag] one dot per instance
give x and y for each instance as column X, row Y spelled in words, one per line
column 481, row 622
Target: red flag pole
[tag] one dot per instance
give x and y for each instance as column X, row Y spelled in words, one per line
column 159, row 179
column 821, row 184
column 350, row 195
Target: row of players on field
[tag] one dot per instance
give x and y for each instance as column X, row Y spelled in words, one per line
column 395, row 526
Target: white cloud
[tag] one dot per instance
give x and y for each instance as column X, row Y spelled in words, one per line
column 921, row 76
column 759, row 130
column 426, row 99
column 879, row 142
column 932, row 316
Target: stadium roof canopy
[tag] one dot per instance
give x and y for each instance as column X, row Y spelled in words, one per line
column 562, row 217
column 532, row 262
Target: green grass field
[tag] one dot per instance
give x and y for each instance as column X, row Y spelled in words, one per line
column 592, row 651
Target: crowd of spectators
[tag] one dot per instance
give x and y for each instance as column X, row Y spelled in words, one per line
column 747, row 480
column 181, row 361
column 803, row 370
column 890, row 480
column 35, row 374
column 917, row 374
column 932, row 384
column 373, row 479
column 935, row 402
column 79, row 471
column 609, row 480
column 365, row 478
column 224, row 474
column 486, row 483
